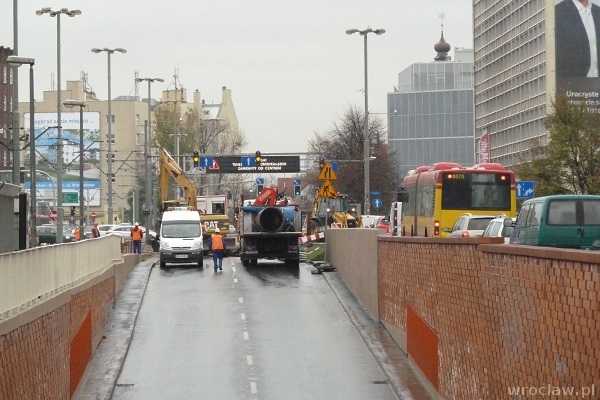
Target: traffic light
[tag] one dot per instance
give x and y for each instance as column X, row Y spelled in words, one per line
column 72, row 211
column 297, row 190
column 258, row 158
column 196, row 159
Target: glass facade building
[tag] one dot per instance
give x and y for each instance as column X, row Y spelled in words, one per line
column 511, row 68
column 430, row 113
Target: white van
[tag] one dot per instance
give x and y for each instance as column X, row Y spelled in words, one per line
column 181, row 238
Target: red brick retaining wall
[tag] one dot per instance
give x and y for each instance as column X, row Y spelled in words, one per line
column 504, row 315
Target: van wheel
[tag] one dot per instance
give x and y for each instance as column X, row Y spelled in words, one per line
column 254, row 262
column 245, row 263
column 163, row 265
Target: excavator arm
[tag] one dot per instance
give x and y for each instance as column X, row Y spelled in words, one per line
column 168, row 166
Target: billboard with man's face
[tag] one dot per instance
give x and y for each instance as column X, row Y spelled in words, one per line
column 577, row 45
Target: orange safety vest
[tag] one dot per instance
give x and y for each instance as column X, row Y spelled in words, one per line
column 136, row 234
column 78, row 234
column 217, row 242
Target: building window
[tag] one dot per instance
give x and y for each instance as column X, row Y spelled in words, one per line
column 10, row 74
column 137, row 119
column 110, row 120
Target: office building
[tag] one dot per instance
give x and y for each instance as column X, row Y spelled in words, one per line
column 430, row 112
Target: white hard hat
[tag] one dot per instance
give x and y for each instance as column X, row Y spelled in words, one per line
column 217, row 230
column 137, row 224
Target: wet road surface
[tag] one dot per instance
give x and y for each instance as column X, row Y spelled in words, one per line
column 263, row 332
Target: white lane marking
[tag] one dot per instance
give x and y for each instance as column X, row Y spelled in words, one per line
column 253, row 388
column 241, row 300
column 249, row 360
column 233, row 268
column 246, row 337
column 243, row 316
column 235, row 280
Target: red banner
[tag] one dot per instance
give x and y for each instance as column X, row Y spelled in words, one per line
column 484, row 147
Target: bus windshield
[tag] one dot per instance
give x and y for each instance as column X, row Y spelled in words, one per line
column 476, row 191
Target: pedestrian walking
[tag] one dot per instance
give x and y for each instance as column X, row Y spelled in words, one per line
column 136, row 237
column 78, row 234
column 95, row 231
column 217, row 245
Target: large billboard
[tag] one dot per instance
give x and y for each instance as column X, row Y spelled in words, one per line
column 577, row 45
column 46, row 140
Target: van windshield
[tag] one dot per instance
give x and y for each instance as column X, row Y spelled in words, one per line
column 180, row 230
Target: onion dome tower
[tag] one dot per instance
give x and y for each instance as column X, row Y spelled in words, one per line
column 442, row 47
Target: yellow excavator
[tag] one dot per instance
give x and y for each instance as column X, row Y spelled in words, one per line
column 340, row 215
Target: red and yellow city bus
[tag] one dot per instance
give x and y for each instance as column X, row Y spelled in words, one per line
column 434, row 197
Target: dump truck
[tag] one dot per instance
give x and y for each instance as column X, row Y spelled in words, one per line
column 270, row 229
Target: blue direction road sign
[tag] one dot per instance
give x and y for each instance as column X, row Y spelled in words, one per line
column 260, row 181
column 206, row 162
column 525, row 189
column 297, row 181
column 248, row 161
column 375, row 193
column 377, row 203
column 334, row 166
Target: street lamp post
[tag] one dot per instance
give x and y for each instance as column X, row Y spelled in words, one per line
column 109, row 138
column 147, row 153
column 80, row 104
column 16, row 61
column 367, row 143
column 59, row 149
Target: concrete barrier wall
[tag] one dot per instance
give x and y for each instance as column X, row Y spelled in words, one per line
column 353, row 252
column 46, row 345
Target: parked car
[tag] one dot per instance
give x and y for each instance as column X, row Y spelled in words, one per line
column 104, row 228
column 369, row 221
column 497, row 228
column 46, row 234
column 125, row 231
column 470, row 225
column 120, row 230
column 383, row 223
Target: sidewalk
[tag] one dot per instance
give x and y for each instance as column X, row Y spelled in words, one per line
column 101, row 375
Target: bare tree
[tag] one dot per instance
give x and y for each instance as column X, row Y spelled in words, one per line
column 344, row 143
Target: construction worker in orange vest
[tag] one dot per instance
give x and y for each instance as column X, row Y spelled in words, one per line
column 78, row 234
column 136, row 237
column 217, row 245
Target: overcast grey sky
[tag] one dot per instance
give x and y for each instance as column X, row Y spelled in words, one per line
column 290, row 65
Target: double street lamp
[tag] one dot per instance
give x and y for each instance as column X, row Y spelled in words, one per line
column 16, row 61
column 59, row 149
column 80, row 104
column 147, row 151
column 110, row 138
column 367, row 142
